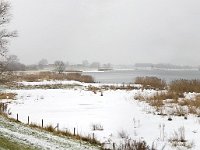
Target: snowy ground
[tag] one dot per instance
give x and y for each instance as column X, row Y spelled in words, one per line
column 115, row 111
column 38, row 139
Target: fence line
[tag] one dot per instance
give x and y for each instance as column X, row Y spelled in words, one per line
column 56, row 127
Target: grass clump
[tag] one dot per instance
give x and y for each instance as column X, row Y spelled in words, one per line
column 151, row 82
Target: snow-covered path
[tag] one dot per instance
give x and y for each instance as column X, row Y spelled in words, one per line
column 37, row 138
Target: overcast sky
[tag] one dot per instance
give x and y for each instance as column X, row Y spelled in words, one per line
column 115, row 31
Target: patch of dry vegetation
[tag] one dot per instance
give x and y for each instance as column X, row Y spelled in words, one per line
column 173, row 97
column 151, row 82
column 181, row 86
column 7, row 95
column 180, row 105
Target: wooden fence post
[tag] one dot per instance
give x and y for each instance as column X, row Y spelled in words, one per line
column 17, row 117
column 113, row 146
column 3, row 106
column 57, row 126
column 42, row 123
column 28, row 120
column 93, row 136
column 74, row 131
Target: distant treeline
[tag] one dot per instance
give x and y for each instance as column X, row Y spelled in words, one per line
column 161, row 66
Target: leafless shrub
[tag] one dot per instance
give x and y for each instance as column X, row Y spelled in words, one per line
column 59, row 66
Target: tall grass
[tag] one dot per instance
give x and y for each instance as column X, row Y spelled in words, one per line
column 151, row 82
column 182, row 85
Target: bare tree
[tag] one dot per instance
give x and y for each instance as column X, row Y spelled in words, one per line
column 59, row 66
column 5, row 35
column 13, row 64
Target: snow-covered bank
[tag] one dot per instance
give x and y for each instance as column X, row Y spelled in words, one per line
column 38, row 139
column 115, row 111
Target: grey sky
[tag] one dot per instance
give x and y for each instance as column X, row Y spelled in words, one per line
column 116, row 31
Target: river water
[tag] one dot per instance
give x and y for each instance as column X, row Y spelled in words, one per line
column 128, row 76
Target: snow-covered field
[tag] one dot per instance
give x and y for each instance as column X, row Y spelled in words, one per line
column 115, row 111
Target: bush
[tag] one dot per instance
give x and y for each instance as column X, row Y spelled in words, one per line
column 151, row 82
